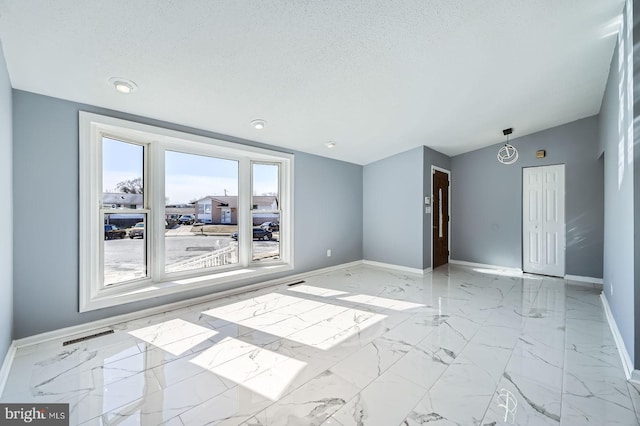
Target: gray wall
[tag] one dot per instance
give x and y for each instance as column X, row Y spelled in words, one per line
column 487, row 199
column 619, row 215
column 636, row 175
column 328, row 211
column 6, row 212
column 45, row 174
column 431, row 158
column 393, row 210
column 397, row 230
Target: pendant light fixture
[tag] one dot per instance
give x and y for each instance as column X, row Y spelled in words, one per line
column 508, row 154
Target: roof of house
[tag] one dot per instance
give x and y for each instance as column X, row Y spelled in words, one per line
column 122, row 198
column 232, row 201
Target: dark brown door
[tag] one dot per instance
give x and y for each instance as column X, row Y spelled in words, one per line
column 440, row 215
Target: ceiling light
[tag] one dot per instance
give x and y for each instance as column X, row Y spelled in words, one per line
column 258, row 124
column 330, row 144
column 123, row 85
column 508, row 154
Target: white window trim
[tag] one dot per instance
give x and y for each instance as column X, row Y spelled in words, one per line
column 93, row 295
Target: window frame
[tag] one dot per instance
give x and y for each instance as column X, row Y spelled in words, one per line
column 254, row 211
column 93, row 294
column 145, row 210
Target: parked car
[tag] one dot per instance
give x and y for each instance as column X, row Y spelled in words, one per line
column 187, row 219
column 270, row 226
column 111, row 232
column 137, row 231
column 258, row 234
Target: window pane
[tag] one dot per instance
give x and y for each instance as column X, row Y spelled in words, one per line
column 265, row 187
column 266, row 236
column 122, row 175
column 125, row 249
column 202, row 192
column 265, row 212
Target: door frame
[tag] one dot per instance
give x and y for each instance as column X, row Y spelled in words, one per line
column 448, row 172
column 564, row 218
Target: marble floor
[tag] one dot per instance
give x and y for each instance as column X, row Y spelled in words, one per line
column 356, row 346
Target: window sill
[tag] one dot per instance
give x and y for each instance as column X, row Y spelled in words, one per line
column 117, row 296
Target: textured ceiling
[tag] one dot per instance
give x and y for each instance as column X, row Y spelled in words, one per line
column 376, row 77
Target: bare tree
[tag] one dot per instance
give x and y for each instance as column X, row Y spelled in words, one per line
column 130, row 186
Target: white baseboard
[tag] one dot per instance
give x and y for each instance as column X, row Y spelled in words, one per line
column 617, row 337
column 486, row 266
column 93, row 326
column 585, row 281
column 6, row 366
column 397, row 267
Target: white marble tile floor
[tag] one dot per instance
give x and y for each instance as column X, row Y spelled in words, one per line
column 361, row 346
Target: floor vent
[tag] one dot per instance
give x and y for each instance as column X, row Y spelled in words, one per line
column 296, row 283
column 82, row 339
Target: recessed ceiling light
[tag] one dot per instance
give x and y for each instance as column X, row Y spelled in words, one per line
column 330, row 145
column 258, row 124
column 123, row 85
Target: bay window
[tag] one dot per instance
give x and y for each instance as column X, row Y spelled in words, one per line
column 234, row 220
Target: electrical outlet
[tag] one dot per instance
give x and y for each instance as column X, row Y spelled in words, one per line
column 328, row 252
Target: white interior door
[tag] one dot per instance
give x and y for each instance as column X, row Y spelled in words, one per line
column 543, row 227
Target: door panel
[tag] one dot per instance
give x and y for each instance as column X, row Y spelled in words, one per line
column 543, row 220
column 532, row 223
column 440, row 218
column 534, row 244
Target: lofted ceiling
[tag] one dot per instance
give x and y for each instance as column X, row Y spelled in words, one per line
column 376, row 77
